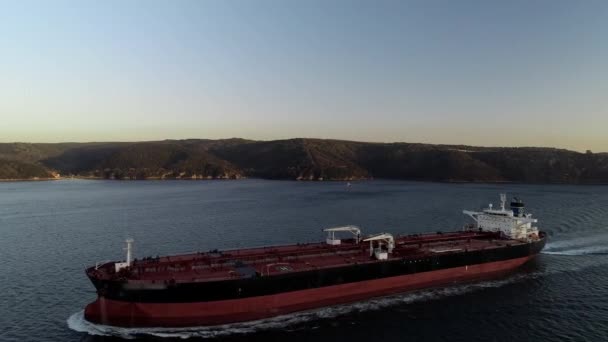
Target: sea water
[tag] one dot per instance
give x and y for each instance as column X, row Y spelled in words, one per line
column 51, row 231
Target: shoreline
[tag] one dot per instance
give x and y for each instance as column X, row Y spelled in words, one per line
column 3, row 180
column 298, row 180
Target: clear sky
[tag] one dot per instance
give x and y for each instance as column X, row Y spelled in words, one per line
column 472, row 72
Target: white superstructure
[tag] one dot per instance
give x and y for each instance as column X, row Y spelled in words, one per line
column 512, row 222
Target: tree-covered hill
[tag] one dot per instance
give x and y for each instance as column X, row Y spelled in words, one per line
column 301, row 159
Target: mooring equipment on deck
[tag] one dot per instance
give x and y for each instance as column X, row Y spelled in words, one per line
column 379, row 252
column 331, row 234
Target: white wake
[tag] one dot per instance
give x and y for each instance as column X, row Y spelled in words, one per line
column 589, row 245
column 580, row 251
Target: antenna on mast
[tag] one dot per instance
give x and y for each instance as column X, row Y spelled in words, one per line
column 129, row 250
column 125, row 265
column 503, row 201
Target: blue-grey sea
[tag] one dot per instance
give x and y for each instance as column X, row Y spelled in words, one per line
column 50, row 231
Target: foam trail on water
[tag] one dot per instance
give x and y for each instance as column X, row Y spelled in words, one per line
column 580, row 251
column 78, row 323
column 586, row 240
column 597, row 244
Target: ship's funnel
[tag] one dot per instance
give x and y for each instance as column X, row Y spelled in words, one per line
column 517, row 206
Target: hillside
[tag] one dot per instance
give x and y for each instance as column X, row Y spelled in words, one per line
column 16, row 170
column 301, row 159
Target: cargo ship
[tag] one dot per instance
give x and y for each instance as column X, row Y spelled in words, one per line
column 229, row 286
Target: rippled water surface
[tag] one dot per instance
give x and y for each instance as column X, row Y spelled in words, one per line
column 49, row 232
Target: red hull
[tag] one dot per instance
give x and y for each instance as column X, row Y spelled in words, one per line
column 131, row 314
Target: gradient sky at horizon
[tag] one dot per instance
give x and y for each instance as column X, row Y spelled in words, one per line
column 492, row 73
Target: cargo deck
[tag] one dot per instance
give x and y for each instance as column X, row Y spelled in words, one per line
column 267, row 261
